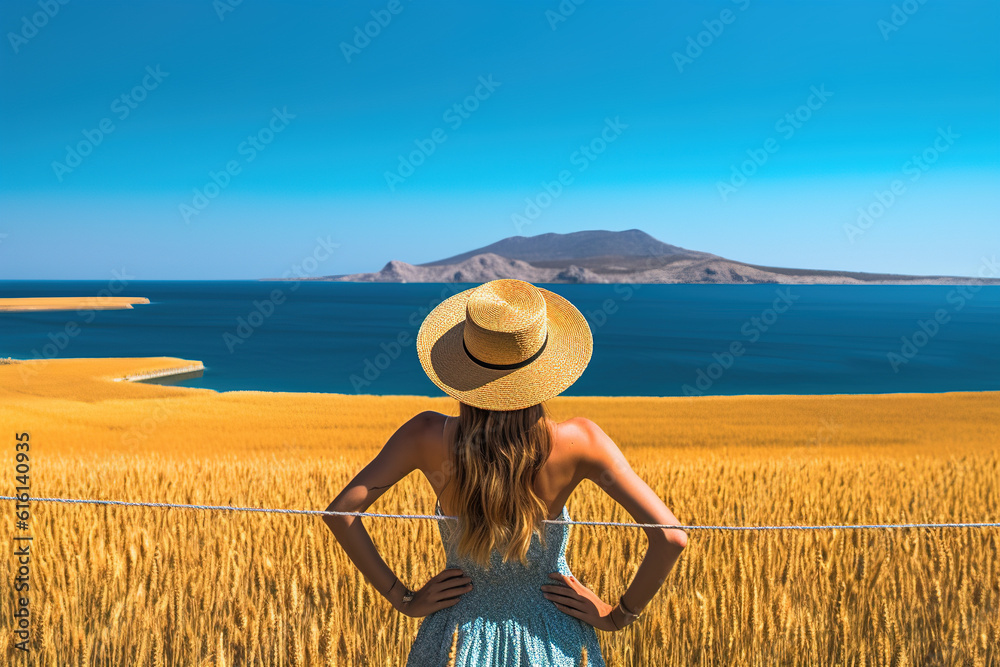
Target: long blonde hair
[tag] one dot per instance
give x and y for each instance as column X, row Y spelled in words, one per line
column 495, row 461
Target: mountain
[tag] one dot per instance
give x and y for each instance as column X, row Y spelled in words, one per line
column 630, row 256
column 576, row 245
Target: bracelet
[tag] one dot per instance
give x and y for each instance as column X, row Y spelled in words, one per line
column 629, row 615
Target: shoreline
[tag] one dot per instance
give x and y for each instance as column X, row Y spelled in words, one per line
column 193, row 370
column 177, row 367
column 82, row 405
column 61, row 303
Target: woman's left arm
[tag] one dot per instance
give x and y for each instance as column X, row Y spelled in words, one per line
column 400, row 455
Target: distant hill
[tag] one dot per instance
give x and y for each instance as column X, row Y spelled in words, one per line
column 576, row 245
column 600, row 256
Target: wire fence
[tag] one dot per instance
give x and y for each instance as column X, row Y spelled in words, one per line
column 268, row 510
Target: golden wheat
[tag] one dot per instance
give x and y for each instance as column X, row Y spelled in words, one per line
column 115, row 585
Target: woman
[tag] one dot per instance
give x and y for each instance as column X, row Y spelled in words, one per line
column 507, row 596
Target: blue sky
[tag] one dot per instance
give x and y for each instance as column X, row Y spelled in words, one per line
column 755, row 130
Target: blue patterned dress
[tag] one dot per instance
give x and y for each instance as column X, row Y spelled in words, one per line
column 504, row 620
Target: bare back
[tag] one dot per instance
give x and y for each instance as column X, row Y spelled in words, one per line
column 559, row 475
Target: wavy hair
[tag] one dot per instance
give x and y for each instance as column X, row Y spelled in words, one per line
column 496, row 459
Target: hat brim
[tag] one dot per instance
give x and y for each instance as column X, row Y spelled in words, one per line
column 442, row 354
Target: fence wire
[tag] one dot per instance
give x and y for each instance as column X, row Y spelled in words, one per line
column 269, row 510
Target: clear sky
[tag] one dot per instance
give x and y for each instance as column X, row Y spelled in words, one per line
column 756, row 130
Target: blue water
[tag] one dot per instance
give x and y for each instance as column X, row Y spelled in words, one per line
column 649, row 340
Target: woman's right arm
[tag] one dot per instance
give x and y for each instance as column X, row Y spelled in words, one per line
column 604, row 464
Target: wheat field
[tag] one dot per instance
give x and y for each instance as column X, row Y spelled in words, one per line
column 117, row 586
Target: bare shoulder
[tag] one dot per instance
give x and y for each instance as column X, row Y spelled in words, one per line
column 593, row 450
column 575, row 429
column 571, row 436
column 602, row 462
column 417, row 434
column 426, row 420
column 426, row 426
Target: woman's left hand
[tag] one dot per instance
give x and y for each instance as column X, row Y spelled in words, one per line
column 579, row 601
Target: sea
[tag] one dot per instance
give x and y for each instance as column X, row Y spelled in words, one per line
column 649, row 340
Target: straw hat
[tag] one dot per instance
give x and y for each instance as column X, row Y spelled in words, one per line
column 504, row 345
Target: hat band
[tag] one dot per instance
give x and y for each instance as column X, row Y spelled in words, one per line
column 507, row 367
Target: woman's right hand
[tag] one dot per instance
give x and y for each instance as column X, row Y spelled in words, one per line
column 442, row 590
